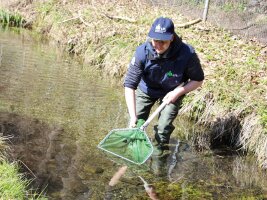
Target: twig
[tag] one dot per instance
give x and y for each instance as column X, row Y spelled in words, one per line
column 119, row 18
column 187, row 24
column 149, row 189
column 82, row 20
column 178, row 179
column 77, row 17
column 243, row 28
column 28, row 168
column 69, row 19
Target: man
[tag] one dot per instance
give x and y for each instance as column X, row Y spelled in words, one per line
column 162, row 69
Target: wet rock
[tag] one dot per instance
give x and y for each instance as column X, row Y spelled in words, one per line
column 73, row 185
column 93, row 170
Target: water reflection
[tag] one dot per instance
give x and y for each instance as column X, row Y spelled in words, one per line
column 217, row 175
column 56, row 114
column 57, row 111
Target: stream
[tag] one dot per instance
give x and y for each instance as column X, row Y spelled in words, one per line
column 55, row 111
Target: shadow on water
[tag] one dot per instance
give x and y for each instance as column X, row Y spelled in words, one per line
column 55, row 112
column 41, row 152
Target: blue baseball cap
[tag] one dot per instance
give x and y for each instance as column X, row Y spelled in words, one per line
column 162, row 29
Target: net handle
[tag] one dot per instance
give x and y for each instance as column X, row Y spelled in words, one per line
column 163, row 104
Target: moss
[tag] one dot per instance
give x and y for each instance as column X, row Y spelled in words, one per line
column 179, row 190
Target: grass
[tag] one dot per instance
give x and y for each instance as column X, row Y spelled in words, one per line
column 9, row 19
column 233, row 6
column 3, row 146
column 13, row 185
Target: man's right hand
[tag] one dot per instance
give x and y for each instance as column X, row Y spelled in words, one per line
column 133, row 122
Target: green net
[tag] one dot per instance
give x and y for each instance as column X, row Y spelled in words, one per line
column 131, row 144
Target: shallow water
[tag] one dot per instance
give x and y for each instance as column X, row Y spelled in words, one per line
column 55, row 111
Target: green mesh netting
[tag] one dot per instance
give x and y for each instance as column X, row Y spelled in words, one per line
column 131, row 144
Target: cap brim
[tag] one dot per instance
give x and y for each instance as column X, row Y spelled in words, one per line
column 160, row 36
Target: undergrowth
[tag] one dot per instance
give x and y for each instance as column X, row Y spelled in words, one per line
column 13, row 184
column 9, row 19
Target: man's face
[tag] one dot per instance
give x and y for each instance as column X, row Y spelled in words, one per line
column 161, row 45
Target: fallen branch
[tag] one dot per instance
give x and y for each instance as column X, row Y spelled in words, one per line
column 82, row 20
column 28, row 168
column 178, row 179
column 187, row 24
column 77, row 17
column 68, row 19
column 119, row 18
column 150, row 190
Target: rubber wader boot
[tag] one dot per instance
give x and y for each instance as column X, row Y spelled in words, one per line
column 159, row 149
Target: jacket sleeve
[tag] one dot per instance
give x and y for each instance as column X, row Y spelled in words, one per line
column 194, row 70
column 135, row 70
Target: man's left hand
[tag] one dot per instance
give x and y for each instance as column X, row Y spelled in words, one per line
column 171, row 97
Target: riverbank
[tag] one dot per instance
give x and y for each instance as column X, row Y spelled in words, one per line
column 232, row 102
column 13, row 183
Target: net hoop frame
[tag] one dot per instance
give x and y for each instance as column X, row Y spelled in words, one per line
column 123, row 129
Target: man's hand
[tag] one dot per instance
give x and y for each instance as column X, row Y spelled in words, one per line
column 133, row 122
column 170, row 97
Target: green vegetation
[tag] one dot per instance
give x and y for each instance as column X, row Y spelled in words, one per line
column 14, row 185
column 3, row 146
column 8, row 19
column 196, row 191
column 263, row 118
column 178, row 191
column 234, row 6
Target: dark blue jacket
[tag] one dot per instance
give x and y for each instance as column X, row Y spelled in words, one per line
column 156, row 75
